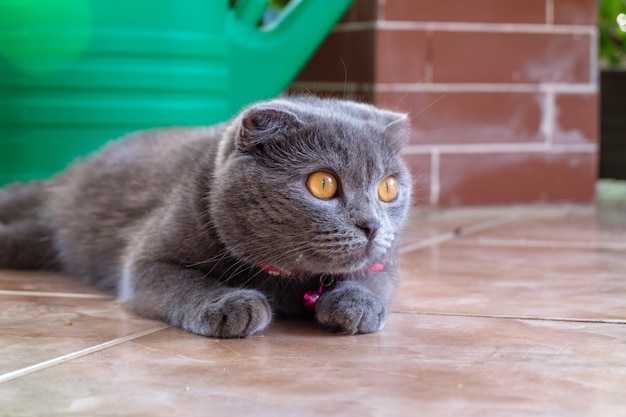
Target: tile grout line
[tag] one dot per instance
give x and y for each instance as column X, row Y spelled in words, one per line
column 540, row 147
column 548, row 124
column 398, row 25
column 456, row 233
column 435, row 184
column 550, row 13
column 547, row 244
column 590, row 87
column 478, row 87
column 55, row 294
column 47, row 364
column 505, row 317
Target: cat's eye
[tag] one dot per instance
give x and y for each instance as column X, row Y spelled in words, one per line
column 322, row 185
column 388, row 189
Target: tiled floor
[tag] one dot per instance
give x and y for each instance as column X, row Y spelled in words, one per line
column 501, row 312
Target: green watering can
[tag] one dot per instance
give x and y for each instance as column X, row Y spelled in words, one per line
column 77, row 73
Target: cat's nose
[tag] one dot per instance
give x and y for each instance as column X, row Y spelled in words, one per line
column 370, row 228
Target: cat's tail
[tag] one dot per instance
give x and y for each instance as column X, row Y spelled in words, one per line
column 26, row 241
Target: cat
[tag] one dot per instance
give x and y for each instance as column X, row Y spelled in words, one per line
column 293, row 207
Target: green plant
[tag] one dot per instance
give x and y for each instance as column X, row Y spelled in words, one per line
column 612, row 30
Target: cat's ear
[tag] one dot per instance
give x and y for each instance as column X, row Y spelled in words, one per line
column 398, row 128
column 260, row 125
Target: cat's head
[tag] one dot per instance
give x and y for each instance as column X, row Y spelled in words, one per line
column 309, row 184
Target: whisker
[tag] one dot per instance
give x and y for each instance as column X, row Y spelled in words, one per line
column 345, row 77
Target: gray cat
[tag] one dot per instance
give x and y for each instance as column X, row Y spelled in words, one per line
column 291, row 208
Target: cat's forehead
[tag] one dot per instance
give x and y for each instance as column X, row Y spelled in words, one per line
column 315, row 108
column 352, row 139
column 354, row 151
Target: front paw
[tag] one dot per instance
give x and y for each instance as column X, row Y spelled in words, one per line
column 351, row 309
column 237, row 313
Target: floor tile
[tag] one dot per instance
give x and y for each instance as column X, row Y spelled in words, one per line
column 42, row 281
column 38, row 329
column 564, row 262
column 569, row 226
column 560, row 283
column 508, row 311
column 444, row 366
column 426, row 226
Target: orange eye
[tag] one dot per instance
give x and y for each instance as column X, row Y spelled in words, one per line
column 322, row 185
column 388, row 189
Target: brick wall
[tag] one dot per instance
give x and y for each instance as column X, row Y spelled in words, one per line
column 502, row 94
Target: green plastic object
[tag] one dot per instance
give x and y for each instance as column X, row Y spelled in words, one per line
column 75, row 74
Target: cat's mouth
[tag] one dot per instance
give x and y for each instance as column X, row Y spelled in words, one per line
column 344, row 257
column 272, row 270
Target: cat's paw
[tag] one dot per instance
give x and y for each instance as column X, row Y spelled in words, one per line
column 238, row 313
column 351, row 309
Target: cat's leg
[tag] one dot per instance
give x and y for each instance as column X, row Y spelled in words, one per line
column 186, row 298
column 27, row 245
column 351, row 308
column 21, row 201
column 25, row 241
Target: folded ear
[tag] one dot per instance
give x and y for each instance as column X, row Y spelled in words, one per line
column 398, row 128
column 260, row 125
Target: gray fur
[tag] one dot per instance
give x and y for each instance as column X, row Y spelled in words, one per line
column 178, row 221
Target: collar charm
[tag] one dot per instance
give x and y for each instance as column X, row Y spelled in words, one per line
column 309, row 300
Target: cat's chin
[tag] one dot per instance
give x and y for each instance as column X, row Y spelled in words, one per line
column 299, row 271
column 350, row 262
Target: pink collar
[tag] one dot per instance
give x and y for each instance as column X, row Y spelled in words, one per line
column 309, row 299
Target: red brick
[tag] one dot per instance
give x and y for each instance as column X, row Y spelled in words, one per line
column 419, row 165
column 485, row 11
column 362, row 11
column 362, row 96
column 343, row 57
column 576, row 118
column 467, row 57
column 462, row 118
column 400, row 56
column 517, row 178
column 575, row 12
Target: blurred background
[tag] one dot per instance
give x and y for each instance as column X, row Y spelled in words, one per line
column 504, row 95
column 511, row 102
